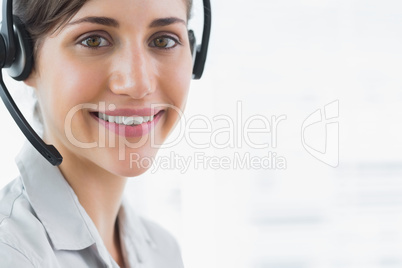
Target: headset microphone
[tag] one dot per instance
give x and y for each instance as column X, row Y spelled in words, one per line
column 16, row 54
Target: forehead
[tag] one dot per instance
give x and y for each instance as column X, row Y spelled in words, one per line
column 134, row 9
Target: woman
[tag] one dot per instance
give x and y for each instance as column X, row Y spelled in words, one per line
column 111, row 77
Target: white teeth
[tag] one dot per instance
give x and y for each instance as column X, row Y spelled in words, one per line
column 126, row 120
column 101, row 116
column 138, row 120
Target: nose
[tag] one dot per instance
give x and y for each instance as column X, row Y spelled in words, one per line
column 131, row 75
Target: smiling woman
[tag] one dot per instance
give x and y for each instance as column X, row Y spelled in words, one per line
column 111, row 78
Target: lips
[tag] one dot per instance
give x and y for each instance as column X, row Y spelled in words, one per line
column 129, row 123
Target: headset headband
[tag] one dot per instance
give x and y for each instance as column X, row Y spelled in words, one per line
column 202, row 50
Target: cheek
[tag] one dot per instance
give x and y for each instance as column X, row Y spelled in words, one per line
column 175, row 85
column 77, row 84
column 64, row 88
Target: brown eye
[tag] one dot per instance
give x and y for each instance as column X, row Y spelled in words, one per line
column 161, row 42
column 164, row 42
column 95, row 42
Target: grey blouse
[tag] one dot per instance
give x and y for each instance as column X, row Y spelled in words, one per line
column 42, row 224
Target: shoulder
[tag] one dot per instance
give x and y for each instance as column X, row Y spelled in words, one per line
column 22, row 236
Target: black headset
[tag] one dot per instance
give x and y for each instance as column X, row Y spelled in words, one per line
column 16, row 54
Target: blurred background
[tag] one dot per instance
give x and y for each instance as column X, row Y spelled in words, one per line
column 329, row 191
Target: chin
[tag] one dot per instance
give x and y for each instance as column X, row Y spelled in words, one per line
column 134, row 163
column 131, row 172
column 125, row 169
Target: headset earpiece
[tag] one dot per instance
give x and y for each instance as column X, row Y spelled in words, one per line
column 18, row 56
column 23, row 60
column 193, row 42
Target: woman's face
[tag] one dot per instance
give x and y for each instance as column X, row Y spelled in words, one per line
column 114, row 61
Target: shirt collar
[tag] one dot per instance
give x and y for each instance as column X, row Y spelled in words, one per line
column 65, row 220
column 134, row 234
column 53, row 201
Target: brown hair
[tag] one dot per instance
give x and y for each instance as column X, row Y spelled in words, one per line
column 41, row 16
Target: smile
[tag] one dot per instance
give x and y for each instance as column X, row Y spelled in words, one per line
column 126, row 120
column 128, row 126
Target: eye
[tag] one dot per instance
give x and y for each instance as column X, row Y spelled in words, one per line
column 164, row 42
column 95, row 41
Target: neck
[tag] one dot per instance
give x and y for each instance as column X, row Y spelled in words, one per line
column 100, row 194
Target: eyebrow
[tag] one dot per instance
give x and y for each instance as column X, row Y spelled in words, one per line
column 97, row 20
column 166, row 21
column 114, row 23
